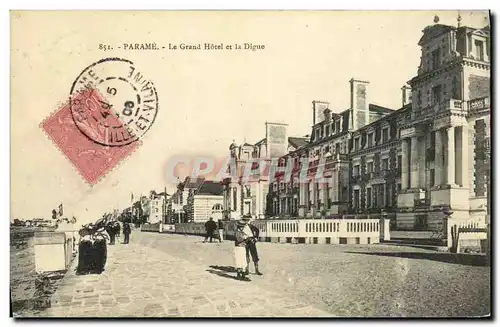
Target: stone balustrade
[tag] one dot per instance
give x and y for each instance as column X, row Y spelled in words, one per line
column 326, row 231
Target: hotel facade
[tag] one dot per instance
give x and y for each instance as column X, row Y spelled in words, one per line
column 411, row 164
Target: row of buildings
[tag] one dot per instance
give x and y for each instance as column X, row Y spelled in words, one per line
column 410, row 163
column 194, row 200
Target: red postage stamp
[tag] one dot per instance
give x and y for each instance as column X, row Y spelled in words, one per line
column 111, row 106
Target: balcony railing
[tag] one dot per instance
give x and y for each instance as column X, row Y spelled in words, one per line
column 453, row 105
column 478, row 104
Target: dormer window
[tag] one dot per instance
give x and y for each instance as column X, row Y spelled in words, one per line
column 356, row 144
column 479, row 46
column 385, row 135
column 436, row 94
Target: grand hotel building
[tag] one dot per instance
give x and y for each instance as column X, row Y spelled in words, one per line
column 411, row 163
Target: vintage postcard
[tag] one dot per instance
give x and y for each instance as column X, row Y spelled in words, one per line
column 179, row 164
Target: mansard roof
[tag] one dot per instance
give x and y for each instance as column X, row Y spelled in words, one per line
column 298, row 142
column 210, row 188
column 379, row 109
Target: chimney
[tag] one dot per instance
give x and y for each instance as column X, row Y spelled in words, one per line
column 319, row 108
column 359, row 109
column 405, row 95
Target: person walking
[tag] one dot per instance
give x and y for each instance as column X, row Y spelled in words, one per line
column 241, row 239
column 110, row 229
column 126, row 232
column 117, row 230
column 251, row 246
column 221, row 230
column 210, row 227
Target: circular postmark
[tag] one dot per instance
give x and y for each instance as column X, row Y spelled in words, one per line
column 113, row 103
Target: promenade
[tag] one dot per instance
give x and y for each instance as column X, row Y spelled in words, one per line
column 159, row 275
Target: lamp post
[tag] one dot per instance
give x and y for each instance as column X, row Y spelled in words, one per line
column 449, row 230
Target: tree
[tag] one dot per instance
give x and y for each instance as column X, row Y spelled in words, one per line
column 170, row 213
column 180, row 189
column 190, row 206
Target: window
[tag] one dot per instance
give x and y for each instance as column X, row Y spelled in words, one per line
column 479, row 50
column 369, row 197
column 337, row 148
column 385, row 164
column 385, row 135
column 432, row 177
column 382, row 195
column 369, row 167
column 370, row 139
column 400, row 162
column 337, row 126
column 436, row 94
column 327, row 132
column 327, row 191
column 355, row 170
column 435, row 58
column 235, row 199
column 217, row 207
column 316, row 195
column 455, row 88
column 333, row 128
column 356, row 144
column 388, row 197
column 356, row 199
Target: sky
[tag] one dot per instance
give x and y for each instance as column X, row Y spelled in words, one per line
column 206, row 99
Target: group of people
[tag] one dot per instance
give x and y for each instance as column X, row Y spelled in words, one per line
column 113, row 229
column 245, row 244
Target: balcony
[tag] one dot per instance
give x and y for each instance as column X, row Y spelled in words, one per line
column 478, row 105
column 451, row 105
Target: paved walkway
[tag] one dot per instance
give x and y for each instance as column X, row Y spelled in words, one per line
column 140, row 281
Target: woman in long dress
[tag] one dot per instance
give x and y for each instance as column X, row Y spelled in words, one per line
column 240, row 251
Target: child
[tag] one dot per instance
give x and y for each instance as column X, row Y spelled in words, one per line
column 240, row 250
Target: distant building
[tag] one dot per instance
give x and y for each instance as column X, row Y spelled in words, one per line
column 158, row 207
column 208, row 202
column 179, row 209
column 248, row 197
